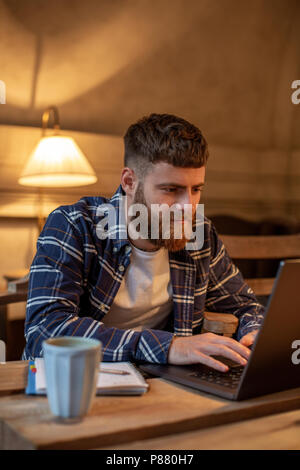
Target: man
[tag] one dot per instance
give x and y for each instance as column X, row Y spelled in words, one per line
column 143, row 297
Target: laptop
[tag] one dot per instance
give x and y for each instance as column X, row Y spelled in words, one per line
column 271, row 366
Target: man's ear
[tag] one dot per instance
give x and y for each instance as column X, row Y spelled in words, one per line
column 129, row 181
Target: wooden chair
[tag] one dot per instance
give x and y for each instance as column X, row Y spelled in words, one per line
column 275, row 247
column 16, row 292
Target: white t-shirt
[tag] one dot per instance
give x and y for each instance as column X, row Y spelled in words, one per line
column 144, row 299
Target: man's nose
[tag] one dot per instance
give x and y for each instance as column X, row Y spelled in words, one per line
column 186, row 198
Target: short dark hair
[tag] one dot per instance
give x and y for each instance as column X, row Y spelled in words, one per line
column 166, row 138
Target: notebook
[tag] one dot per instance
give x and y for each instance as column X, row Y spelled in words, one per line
column 132, row 383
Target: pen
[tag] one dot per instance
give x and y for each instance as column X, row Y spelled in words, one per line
column 114, row 371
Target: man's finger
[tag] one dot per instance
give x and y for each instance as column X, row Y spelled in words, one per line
column 240, row 348
column 249, row 338
column 211, row 362
column 225, row 351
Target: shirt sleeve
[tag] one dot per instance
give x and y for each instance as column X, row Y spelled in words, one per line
column 58, row 279
column 228, row 292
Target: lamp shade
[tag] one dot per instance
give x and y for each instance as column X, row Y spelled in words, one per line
column 57, row 161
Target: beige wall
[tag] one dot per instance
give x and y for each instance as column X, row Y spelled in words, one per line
column 226, row 65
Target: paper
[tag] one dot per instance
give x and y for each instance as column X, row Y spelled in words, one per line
column 110, row 380
column 132, row 383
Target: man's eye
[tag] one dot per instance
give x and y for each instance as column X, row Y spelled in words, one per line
column 172, row 190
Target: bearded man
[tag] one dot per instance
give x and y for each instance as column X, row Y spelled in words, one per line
column 139, row 288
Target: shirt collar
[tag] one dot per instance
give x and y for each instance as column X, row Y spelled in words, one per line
column 119, row 231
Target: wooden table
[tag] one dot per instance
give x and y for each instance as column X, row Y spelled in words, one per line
column 275, row 432
column 173, row 413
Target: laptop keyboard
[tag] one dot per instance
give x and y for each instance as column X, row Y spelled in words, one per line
column 228, row 379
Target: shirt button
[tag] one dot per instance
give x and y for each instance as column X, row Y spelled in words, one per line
column 115, row 249
column 102, row 308
column 121, row 268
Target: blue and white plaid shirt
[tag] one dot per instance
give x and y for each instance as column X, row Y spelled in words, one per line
column 75, row 277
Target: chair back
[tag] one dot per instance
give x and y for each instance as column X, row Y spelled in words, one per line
column 262, row 247
column 16, row 292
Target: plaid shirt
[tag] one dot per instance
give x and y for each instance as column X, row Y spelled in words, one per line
column 75, row 277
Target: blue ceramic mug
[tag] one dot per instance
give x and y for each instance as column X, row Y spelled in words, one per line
column 71, row 370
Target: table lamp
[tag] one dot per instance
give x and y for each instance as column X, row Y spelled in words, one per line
column 56, row 161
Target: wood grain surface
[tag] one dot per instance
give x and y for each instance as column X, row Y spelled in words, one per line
column 276, row 432
column 27, row 423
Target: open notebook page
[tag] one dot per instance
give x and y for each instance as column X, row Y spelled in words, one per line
column 132, row 383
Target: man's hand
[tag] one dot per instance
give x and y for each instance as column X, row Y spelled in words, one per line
column 248, row 339
column 200, row 348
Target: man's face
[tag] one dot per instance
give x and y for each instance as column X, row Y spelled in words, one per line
column 170, row 185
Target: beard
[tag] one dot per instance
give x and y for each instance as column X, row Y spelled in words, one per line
column 165, row 239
